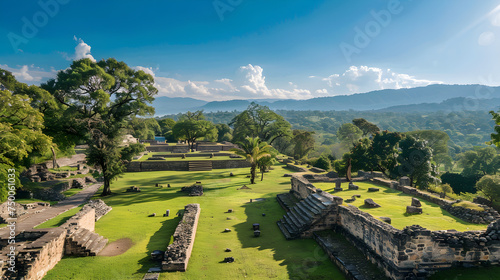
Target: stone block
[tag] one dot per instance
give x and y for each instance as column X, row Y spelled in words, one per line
column 373, row 189
column 413, row 210
column 415, row 202
column 369, row 203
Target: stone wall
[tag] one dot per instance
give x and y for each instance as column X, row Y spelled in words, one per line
column 413, row 252
column 138, row 166
column 178, row 253
column 85, row 218
column 296, row 168
column 168, row 148
column 38, row 251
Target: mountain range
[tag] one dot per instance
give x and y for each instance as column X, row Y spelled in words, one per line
column 426, row 99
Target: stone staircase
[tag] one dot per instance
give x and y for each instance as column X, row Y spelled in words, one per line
column 84, row 242
column 200, row 165
column 303, row 215
column 286, row 200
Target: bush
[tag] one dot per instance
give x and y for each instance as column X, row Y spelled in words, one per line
column 489, row 185
column 340, row 167
column 460, row 183
column 323, row 162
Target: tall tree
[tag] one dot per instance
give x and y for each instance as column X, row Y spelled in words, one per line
column 438, row 141
column 414, row 161
column 98, row 98
column 20, row 135
column 253, row 150
column 349, row 134
column 142, row 128
column 384, row 151
column 489, row 185
column 303, row 142
column 264, row 163
column 260, row 121
column 166, row 126
column 192, row 126
column 480, row 161
column 367, row 127
column 224, row 132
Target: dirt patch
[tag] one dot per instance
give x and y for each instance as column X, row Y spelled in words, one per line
column 117, row 247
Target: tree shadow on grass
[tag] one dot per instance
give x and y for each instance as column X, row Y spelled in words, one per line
column 304, row 259
column 158, row 241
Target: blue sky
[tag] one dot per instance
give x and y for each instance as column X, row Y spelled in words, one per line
column 228, row 49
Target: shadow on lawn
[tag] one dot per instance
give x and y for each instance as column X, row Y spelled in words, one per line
column 287, row 253
column 158, row 241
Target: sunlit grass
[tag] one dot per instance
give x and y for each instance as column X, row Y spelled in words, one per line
column 393, row 205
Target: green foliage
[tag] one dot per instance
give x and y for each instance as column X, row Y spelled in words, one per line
column 143, row 128
column 303, row 143
column 193, row 126
column 480, row 161
column 414, row 162
column 438, row 141
column 253, row 150
column 323, row 162
column 468, row 205
column 489, row 185
column 21, row 135
column 366, row 127
column 224, row 132
column 166, row 126
column 132, row 150
column 384, row 151
column 446, row 188
column 460, row 183
column 260, row 121
column 341, row 167
column 349, row 134
column 98, row 98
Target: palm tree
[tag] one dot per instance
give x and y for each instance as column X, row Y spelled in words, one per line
column 253, row 150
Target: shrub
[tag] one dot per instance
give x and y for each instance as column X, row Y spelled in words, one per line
column 323, row 162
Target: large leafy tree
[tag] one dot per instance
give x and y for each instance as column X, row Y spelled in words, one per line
column 384, row 151
column 303, row 142
column 166, row 126
column 98, row 98
column 21, row 134
column 438, row 141
column 142, row 128
column 366, row 127
column 349, row 134
column 260, row 121
column 253, row 150
column 193, row 126
column 361, row 156
column 489, row 185
column 482, row 161
column 224, row 132
column 414, row 161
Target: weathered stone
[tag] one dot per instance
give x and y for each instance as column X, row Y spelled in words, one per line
column 369, row 203
column 256, row 226
column 230, row 211
column 413, row 210
column 133, row 189
column 386, row 219
column 78, row 183
column 373, row 189
column 193, row 190
column 231, row 174
column 227, row 230
column 227, row 250
column 166, row 213
column 157, row 255
column 404, row 181
column 229, row 260
column 415, row 202
column 256, row 233
column 152, row 215
column 353, row 187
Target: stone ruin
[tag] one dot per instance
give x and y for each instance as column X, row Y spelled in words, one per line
column 369, row 203
column 353, row 187
column 193, row 190
column 411, row 253
column 178, row 253
column 100, row 208
column 133, row 189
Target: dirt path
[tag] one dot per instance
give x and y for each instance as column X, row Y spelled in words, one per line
column 117, row 247
column 54, row 211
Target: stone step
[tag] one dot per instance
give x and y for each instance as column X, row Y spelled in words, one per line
column 284, row 231
column 294, row 221
column 290, row 229
column 312, row 207
column 304, row 212
column 80, row 236
column 96, row 248
column 94, row 238
column 323, row 200
column 294, row 213
column 289, row 221
column 318, row 204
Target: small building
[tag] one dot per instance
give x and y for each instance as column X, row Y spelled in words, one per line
column 160, row 139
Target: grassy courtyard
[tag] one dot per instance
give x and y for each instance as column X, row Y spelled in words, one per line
column 393, row 205
column 269, row 256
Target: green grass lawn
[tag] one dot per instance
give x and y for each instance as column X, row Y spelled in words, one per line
column 61, row 219
column 269, row 256
column 393, row 205
column 72, row 192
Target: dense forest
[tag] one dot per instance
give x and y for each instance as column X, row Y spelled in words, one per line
column 466, row 129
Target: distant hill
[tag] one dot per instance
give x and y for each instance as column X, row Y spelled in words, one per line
column 428, row 98
column 450, row 105
column 173, row 105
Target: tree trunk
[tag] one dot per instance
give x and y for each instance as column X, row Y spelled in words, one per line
column 54, row 159
column 252, row 174
column 262, row 177
column 106, row 188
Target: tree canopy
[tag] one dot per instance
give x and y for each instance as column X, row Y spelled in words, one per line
column 192, row 126
column 98, row 98
column 253, row 150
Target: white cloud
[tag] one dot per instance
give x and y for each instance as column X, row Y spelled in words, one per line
column 251, row 85
column 82, row 50
column 364, row 79
column 486, row 38
column 29, row 74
